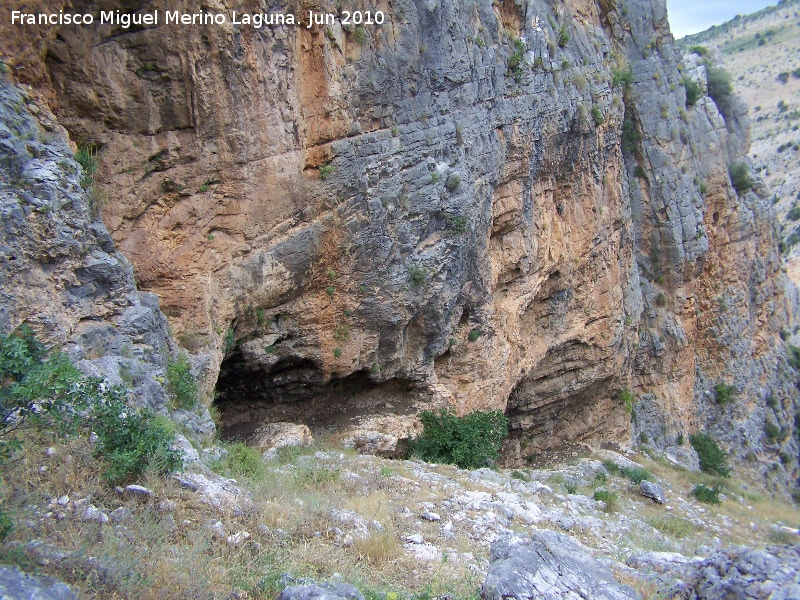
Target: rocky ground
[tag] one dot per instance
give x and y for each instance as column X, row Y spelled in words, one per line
column 229, row 526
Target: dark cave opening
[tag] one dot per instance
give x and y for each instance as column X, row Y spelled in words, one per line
column 295, row 390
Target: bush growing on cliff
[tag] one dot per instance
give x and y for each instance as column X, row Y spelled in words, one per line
column 724, row 394
column 693, row 91
column 470, row 442
column 182, row 386
column 740, row 177
column 86, row 158
column 515, row 61
column 720, row 88
column 712, row 458
column 563, row 37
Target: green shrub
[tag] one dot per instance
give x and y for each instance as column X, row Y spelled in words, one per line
column 42, row 388
column 630, row 135
column 87, row 160
column 243, row 461
column 740, row 177
column 130, row 440
column 563, row 37
column 724, row 394
column 709, row 495
column 474, row 334
column 794, row 213
column 452, row 183
column 712, row 458
column 699, row 50
column 182, row 386
column 611, row 467
column 693, row 91
column 330, row 290
column 628, row 398
column 597, row 116
column 720, row 89
column 6, row 524
column 794, row 357
column 456, row 224
column 337, row 352
column 417, row 275
column 515, row 61
column 360, row 35
column 772, row 431
column 520, row 475
column 325, row 171
column 622, row 78
column 636, row 474
column 37, row 388
column 470, row 442
column 610, row 499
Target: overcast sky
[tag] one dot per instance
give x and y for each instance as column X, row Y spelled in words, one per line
column 691, row 16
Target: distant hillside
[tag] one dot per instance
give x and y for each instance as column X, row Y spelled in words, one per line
column 762, row 52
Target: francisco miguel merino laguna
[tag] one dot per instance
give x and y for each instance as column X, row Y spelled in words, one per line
column 174, row 17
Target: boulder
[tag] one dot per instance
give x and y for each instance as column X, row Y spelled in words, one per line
column 653, row 491
column 321, row 591
column 16, row 584
column 273, row 436
column 548, row 566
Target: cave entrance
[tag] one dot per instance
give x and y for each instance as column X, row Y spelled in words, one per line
column 295, row 390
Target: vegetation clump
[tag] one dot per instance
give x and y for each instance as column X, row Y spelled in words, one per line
column 42, row 389
column 709, row 495
column 516, row 60
column 693, row 91
column 724, row 394
column 469, row 442
column 712, row 458
column 628, row 398
column 720, row 89
column 563, row 37
column 181, row 382
column 740, row 177
column 609, row 499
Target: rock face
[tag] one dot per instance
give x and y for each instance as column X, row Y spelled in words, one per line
column 730, row 573
column 59, row 272
column 466, row 206
column 551, row 566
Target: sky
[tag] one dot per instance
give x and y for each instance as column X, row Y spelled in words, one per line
column 691, row 16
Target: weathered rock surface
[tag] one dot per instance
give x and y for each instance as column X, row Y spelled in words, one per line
column 653, row 491
column 59, row 272
column 321, row 591
column 550, row 566
column 731, row 573
column 14, row 584
column 369, row 227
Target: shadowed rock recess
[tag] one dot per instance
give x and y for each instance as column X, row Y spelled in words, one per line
column 467, row 206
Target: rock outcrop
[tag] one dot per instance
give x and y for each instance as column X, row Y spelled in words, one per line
column 730, row 573
column 481, row 205
column 549, row 566
column 59, row 272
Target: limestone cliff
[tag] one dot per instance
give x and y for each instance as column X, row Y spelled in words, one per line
column 471, row 205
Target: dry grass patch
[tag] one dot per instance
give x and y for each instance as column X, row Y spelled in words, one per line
column 378, row 548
